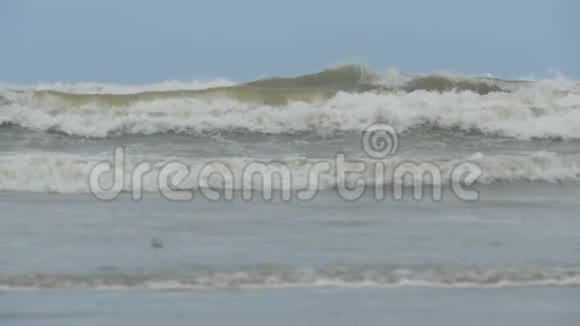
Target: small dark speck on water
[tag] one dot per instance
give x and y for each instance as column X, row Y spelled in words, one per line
column 156, row 243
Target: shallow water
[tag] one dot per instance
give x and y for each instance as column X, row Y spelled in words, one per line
column 410, row 306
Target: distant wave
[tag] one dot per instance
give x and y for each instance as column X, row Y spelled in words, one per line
column 272, row 277
column 48, row 172
column 110, row 88
column 343, row 99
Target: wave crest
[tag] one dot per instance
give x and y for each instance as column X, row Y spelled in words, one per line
column 270, row 277
column 338, row 100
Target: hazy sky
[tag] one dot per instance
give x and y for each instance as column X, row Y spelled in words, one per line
column 145, row 41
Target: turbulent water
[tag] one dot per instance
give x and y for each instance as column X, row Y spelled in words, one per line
column 524, row 135
column 268, row 277
column 334, row 101
column 54, row 134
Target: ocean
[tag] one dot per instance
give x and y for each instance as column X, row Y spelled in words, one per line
column 345, row 197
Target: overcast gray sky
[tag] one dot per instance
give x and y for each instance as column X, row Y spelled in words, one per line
column 146, row 41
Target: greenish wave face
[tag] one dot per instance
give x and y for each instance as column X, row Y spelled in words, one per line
column 349, row 78
column 310, row 88
column 242, row 93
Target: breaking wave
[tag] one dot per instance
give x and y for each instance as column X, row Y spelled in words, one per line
column 48, row 172
column 272, row 277
column 337, row 100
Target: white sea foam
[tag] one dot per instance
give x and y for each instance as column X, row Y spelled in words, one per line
column 273, row 278
column 524, row 114
column 69, row 173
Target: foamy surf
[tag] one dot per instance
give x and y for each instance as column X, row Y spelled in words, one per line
column 48, row 172
column 334, row 101
column 264, row 278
